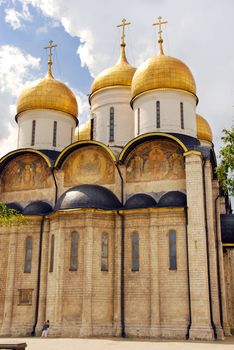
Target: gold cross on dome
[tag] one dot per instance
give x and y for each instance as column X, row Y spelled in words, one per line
column 50, row 47
column 124, row 23
column 159, row 24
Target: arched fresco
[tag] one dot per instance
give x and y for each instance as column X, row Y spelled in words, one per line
column 26, row 172
column 154, row 161
column 89, row 164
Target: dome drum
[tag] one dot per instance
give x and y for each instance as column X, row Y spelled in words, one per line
column 169, row 109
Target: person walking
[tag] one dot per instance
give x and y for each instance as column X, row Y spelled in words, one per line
column 45, row 328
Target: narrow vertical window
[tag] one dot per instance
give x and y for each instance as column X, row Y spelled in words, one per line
column 138, row 120
column 55, row 134
column 104, row 261
column 112, row 124
column 158, row 114
column 72, row 134
column 92, row 129
column 74, row 252
column 135, row 251
column 172, row 250
column 33, row 132
column 52, row 254
column 28, row 255
column 182, row 115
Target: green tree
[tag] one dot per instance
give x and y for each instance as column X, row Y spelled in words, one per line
column 225, row 170
column 9, row 216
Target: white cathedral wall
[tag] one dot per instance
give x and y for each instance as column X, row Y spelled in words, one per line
column 44, row 129
column 170, row 119
column 101, row 102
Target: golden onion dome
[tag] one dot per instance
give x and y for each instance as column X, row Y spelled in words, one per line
column 119, row 75
column 83, row 133
column 162, row 73
column 204, row 131
column 48, row 93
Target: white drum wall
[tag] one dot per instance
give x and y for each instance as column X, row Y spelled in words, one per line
column 170, row 118
column 101, row 102
column 44, row 129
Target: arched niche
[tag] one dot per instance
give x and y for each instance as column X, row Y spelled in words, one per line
column 25, row 170
column 154, row 159
column 87, row 163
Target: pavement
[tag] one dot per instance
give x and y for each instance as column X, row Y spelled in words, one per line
column 118, row 344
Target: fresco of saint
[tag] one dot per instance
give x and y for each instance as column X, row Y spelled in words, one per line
column 155, row 161
column 88, row 165
column 26, row 172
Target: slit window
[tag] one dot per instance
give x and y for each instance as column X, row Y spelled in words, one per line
column 172, row 250
column 91, row 128
column 52, row 254
column 55, row 134
column 112, row 124
column 158, row 114
column 28, row 255
column 182, row 115
column 104, row 248
column 74, row 252
column 135, row 251
column 138, row 120
column 33, row 132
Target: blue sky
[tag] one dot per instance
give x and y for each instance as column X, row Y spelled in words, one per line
column 198, row 32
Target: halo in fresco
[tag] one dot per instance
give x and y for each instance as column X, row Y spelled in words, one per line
column 88, row 165
column 155, row 161
column 26, row 172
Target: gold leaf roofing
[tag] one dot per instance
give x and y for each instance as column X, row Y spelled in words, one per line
column 84, row 132
column 162, row 72
column 119, row 75
column 48, row 93
column 204, row 131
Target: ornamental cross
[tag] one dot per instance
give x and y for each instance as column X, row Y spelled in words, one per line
column 50, row 47
column 159, row 23
column 124, row 23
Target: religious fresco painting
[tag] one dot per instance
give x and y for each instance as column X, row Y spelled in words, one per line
column 154, row 161
column 26, row 172
column 88, row 165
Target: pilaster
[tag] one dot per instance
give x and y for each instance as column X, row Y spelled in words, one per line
column 117, row 277
column 86, row 326
column 155, row 330
column 212, row 250
column 43, row 276
column 218, row 206
column 10, row 283
column 200, row 307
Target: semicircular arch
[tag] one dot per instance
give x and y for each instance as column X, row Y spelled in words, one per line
column 147, row 137
column 81, row 144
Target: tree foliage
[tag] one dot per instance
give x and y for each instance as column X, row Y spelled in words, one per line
column 225, row 170
column 9, row 216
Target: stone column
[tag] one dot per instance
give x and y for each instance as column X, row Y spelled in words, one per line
column 10, row 283
column 200, row 307
column 43, row 276
column 117, row 277
column 226, row 326
column 212, row 249
column 86, row 326
column 155, row 330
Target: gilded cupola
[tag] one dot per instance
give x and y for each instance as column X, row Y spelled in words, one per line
column 119, row 75
column 48, row 93
column 204, row 131
column 83, row 133
column 162, row 73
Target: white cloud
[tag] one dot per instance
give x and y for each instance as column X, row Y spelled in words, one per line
column 15, row 18
column 193, row 34
column 17, row 68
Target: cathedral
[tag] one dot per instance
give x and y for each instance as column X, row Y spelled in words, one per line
column 126, row 231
